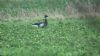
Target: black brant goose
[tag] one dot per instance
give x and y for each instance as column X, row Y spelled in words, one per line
column 41, row 24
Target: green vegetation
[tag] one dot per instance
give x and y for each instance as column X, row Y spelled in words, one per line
column 14, row 6
column 30, row 4
column 69, row 38
column 64, row 35
column 64, row 7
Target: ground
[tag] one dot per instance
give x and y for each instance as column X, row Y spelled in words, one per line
column 70, row 37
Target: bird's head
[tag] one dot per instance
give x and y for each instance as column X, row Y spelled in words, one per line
column 45, row 16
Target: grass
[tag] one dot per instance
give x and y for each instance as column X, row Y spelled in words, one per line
column 32, row 4
column 13, row 7
column 72, row 37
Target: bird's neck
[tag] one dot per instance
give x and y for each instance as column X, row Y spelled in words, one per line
column 45, row 20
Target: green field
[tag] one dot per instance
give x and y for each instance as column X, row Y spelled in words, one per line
column 64, row 35
column 71, row 37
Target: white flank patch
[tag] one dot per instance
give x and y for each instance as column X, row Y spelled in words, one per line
column 41, row 25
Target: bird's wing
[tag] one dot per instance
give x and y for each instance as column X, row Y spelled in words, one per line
column 37, row 23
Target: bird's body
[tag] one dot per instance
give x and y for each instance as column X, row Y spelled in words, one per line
column 41, row 24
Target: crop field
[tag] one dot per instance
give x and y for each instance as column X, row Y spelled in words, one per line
column 73, row 28
column 68, row 38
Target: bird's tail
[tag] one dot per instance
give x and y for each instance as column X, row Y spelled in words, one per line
column 34, row 25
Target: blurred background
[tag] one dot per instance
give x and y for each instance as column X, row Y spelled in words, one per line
column 55, row 8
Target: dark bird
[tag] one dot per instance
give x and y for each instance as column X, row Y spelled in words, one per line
column 41, row 24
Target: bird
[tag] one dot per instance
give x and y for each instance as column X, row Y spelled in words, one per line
column 41, row 24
